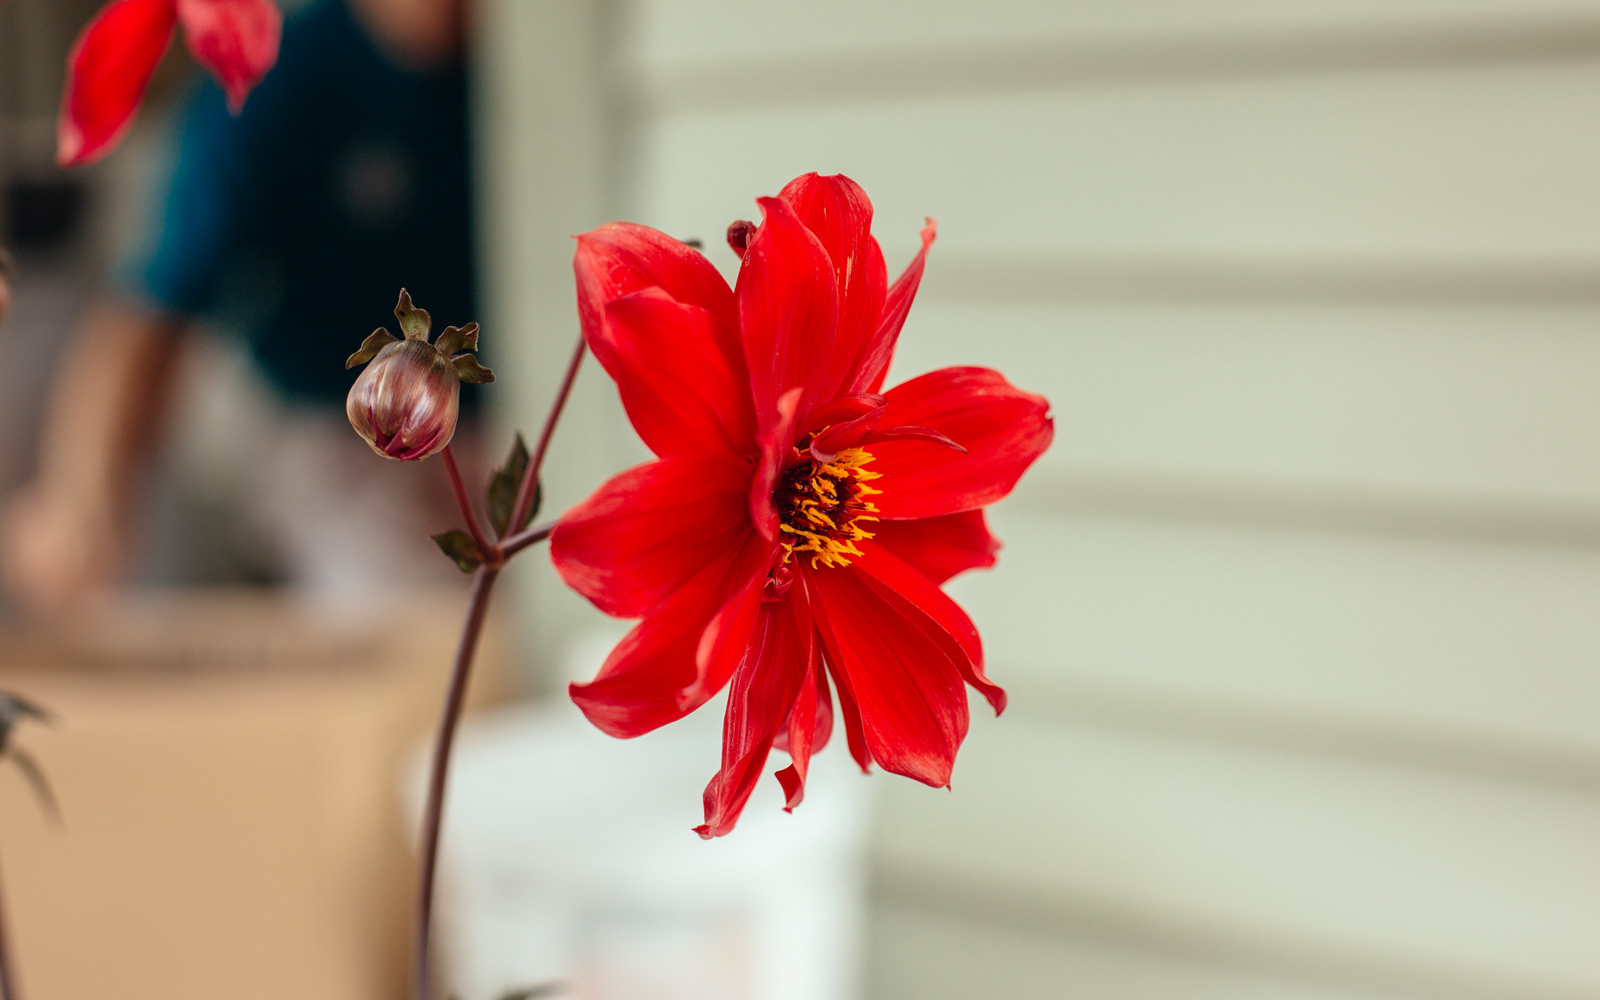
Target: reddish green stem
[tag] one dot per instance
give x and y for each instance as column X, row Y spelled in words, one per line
column 456, row 695
column 522, row 539
column 433, row 817
column 530, row 482
column 491, row 552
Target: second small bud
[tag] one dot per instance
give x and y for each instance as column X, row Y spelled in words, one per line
column 406, row 402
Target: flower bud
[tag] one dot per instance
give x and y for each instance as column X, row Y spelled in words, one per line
column 406, row 402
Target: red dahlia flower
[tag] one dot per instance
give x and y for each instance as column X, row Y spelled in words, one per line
column 116, row 54
column 798, row 522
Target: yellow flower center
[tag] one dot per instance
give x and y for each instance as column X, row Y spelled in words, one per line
column 821, row 508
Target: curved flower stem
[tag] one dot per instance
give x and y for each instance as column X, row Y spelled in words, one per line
column 455, row 696
column 522, row 539
column 491, row 552
column 8, row 990
column 530, row 482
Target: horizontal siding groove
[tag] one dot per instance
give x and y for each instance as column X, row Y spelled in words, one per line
column 1453, row 517
column 1077, row 278
column 1451, row 751
column 1119, row 924
column 985, row 69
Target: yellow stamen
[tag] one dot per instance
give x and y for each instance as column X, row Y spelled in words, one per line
column 822, row 507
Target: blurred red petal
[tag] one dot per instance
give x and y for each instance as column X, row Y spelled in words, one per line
column 676, row 383
column 643, row 533
column 1002, row 428
column 237, row 40
column 107, row 72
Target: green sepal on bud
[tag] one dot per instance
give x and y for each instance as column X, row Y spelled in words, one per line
column 454, row 339
column 414, row 323
column 504, row 486
column 405, row 403
column 469, row 370
column 376, row 341
column 461, row 549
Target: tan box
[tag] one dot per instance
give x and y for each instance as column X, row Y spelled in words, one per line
column 227, row 767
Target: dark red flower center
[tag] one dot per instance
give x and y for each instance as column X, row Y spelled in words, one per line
column 823, row 507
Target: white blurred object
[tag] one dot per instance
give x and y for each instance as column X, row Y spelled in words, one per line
column 569, row 855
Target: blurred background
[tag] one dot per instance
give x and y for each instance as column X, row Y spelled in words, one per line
column 1297, row 616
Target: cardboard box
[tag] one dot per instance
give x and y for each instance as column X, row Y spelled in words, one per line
column 228, row 772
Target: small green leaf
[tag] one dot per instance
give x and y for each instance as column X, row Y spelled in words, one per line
column 36, row 780
column 414, row 323
column 376, row 341
column 468, row 369
column 503, row 489
column 13, row 708
column 458, row 545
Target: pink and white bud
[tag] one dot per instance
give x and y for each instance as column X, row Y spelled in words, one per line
column 406, row 402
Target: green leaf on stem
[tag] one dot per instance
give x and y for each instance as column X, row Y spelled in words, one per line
column 460, row 547
column 505, row 485
column 36, row 780
column 376, row 341
column 14, row 708
column 414, row 323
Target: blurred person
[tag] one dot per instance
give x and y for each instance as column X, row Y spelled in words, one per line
column 295, row 224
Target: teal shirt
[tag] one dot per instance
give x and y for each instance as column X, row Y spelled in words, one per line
column 297, row 223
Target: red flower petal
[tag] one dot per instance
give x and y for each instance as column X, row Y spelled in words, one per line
column 844, row 422
column 1003, row 429
column 237, row 40
column 646, row 531
column 788, row 312
column 905, row 681
column 810, row 725
column 676, row 383
column 839, row 214
column 879, row 351
column 621, row 258
column 652, row 677
column 769, row 678
column 107, row 73
column 902, row 580
column 777, row 443
column 851, row 714
column 941, row 547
